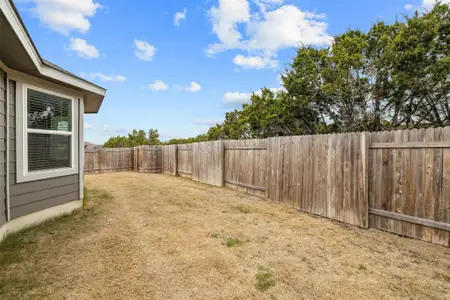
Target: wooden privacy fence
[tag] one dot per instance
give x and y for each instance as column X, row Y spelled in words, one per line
column 108, row 160
column 409, row 183
column 325, row 175
column 147, row 159
column 245, row 165
column 395, row 181
column 184, row 160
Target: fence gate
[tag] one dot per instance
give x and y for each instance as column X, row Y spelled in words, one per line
column 409, row 183
column 245, row 165
column 184, row 161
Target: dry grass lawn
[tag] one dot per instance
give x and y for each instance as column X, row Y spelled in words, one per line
column 152, row 236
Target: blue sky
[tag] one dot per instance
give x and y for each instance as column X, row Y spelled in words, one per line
column 178, row 66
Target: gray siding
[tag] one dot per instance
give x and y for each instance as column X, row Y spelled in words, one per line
column 2, row 147
column 30, row 197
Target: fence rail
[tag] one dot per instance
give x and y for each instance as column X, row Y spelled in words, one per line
column 396, row 181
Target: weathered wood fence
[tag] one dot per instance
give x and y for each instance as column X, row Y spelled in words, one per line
column 395, row 181
column 108, row 160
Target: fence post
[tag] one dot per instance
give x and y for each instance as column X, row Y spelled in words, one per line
column 137, row 159
column 159, row 159
column 143, row 157
column 223, row 162
column 268, row 168
column 274, row 168
column 134, row 159
column 175, row 151
column 99, row 160
column 365, row 141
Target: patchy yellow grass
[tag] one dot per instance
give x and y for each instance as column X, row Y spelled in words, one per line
column 163, row 237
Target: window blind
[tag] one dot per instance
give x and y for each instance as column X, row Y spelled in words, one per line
column 48, row 151
column 48, row 112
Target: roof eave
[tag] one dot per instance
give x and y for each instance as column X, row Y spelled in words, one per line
column 92, row 91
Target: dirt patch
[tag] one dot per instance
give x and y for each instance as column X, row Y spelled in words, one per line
column 163, row 237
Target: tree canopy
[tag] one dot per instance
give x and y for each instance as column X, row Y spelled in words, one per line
column 395, row 76
column 135, row 138
column 392, row 77
column 141, row 138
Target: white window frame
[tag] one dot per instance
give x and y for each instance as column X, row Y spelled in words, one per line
column 23, row 175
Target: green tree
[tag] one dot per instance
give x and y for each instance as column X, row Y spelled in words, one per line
column 153, row 137
column 394, row 76
column 117, row 142
column 137, row 138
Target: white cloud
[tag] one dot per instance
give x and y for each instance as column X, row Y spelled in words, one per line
column 104, row 77
column 87, row 126
column 256, row 62
column 83, row 49
column 65, row 16
column 233, row 98
column 236, row 98
column 194, row 87
column 144, row 50
column 225, row 18
column 268, row 4
column 286, row 27
column 179, row 16
column 428, row 4
column 264, row 33
column 158, row 85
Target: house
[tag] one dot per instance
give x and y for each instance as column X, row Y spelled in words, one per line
column 92, row 147
column 41, row 130
column 88, row 145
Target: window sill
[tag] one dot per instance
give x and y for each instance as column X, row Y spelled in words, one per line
column 48, row 174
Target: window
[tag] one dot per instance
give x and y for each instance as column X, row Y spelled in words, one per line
column 49, row 147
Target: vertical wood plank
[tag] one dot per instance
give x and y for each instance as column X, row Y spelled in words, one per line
column 301, row 169
column 398, row 182
column 429, row 197
column 364, row 191
column 274, row 167
column 443, row 213
column 406, row 206
column 444, row 237
column 419, row 182
column 323, row 178
column 339, row 178
column 331, row 166
column 437, row 188
column 346, row 177
column 100, row 160
column 221, row 168
column 353, row 208
column 285, row 173
column 307, row 172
